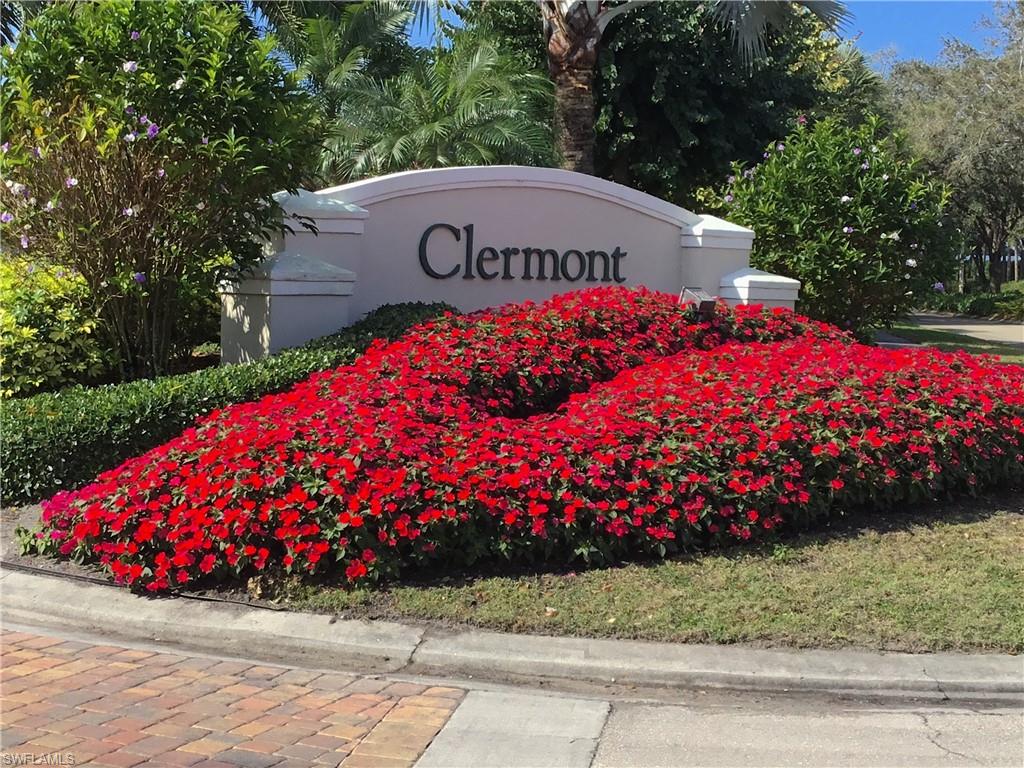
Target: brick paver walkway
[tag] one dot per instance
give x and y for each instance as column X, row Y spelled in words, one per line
column 111, row 706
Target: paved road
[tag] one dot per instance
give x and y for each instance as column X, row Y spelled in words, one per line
column 104, row 704
column 986, row 330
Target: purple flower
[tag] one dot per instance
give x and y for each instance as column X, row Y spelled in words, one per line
column 24, row 242
column 939, row 288
column 913, row 206
column 129, row 110
column 70, row 182
column 765, row 155
column 130, row 66
column 801, row 120
column 49, row 206
column 728, row 198
column 144, row 119
column 780, row 147
column 864, row 166
column 6, row 217
column 857, row 150
column 848, row 230
column 131, row 136
column 139, row 277
column 129, row 212
column 206, row 139
column 135, row 35
column 37, row 151
column 160, row 173
column 152, row 131
column 5, row 146
column 731, row 180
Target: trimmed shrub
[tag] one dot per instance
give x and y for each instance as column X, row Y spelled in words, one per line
column 47, row 339
column 1008, row 305
column 61, row 440
column 599, row 425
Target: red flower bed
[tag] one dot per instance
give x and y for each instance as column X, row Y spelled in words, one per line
column 604, row 424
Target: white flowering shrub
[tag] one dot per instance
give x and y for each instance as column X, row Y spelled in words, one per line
column 142, row 144
column 847, row 212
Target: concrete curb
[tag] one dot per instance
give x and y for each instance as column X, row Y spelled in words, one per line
column 378, row 646
column 294, row 638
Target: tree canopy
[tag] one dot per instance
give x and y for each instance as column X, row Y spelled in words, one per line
column 965, row 116
column 677, row 102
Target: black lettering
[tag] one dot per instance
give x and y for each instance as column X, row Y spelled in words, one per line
column 468, row 274
column 591, row 258
column 424, row 262
column 617, row 254
column 565, row 265
column 541, row 272
column 480, row 259
column 508, row 253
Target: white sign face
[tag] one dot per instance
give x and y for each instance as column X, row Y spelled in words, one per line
column 486, row 236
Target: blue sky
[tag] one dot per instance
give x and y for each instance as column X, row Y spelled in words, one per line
column 911, row 28
column 915, row 28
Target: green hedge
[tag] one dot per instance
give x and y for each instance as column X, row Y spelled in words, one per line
column 1008, row 305
column 59, row 441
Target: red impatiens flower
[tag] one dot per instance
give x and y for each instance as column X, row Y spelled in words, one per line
column 600, row 424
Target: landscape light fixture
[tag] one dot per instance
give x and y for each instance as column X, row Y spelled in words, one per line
column 705, row 301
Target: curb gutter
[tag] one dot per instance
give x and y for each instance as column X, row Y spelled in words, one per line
column 381, row 646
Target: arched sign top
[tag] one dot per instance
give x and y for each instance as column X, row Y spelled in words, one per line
column 408, row 183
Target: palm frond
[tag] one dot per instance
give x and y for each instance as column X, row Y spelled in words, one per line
column 749, row 21
column 467, row 105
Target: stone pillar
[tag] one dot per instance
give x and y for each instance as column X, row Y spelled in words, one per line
column 303, row 289
column 337, row 238
column 288, row 300
column 752, row 286
column 711, row 249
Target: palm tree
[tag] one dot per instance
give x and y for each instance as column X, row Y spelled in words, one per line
column 330, row 50
column 15, row 14
column 574, row 29
column 328, row 38
column 466, row 106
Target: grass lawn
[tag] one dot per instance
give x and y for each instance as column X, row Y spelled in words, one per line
column 955, row 341
column 948, row 577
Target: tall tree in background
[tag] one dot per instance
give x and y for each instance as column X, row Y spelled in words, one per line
column 965, row 115
column 574, row 31
column 677, row 103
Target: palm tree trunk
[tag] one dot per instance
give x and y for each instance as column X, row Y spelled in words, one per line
column 573, row 43
column 574, row 118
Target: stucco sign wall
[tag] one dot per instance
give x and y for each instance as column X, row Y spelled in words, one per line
column 473, row 237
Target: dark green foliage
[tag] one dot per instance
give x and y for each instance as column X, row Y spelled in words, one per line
column 676, row 101
column 1008, row 305
column 60, row 441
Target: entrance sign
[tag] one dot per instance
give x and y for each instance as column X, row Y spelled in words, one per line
column 474, row 237
column 571, row 265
